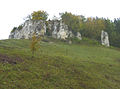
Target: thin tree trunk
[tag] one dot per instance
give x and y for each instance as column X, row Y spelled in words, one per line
column 32, row 54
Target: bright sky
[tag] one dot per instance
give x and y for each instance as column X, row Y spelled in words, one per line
column 12, row 12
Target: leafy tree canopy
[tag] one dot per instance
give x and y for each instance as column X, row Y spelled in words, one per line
column 39, row 15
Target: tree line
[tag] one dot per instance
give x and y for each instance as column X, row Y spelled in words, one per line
column 91, row 27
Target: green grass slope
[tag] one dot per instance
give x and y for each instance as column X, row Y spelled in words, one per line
column 57, row 65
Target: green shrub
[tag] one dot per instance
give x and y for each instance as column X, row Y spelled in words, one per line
column 20, row 27
column 14, row 29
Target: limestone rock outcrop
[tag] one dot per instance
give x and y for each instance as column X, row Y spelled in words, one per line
column 60, row 30
column 105, row 38
column 54, row 28
column 29, row 27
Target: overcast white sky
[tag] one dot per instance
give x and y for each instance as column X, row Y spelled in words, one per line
column 12, row 12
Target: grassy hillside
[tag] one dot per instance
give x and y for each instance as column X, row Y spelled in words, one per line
column 57, row 65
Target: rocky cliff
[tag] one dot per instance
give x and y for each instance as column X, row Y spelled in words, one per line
column 27, row 30
column 54, row 28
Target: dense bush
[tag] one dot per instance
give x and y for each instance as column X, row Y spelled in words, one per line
column 39, row 15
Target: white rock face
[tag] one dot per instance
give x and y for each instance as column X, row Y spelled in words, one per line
column 63, row 31
column 60, row 30
column 79, row 36
column 105, row 38
column 28, row 29
column 56, row 29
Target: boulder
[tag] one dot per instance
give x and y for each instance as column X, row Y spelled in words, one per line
column 104, row 38
column 70, row 42
column 79, row 36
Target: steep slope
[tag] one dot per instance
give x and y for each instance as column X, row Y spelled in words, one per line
column 57, row 65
